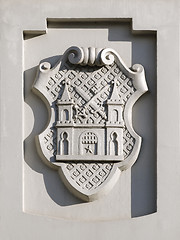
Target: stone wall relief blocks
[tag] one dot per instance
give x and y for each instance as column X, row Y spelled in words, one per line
column 90, row 139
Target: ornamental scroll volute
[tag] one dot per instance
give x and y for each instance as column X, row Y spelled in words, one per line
column 89, row 138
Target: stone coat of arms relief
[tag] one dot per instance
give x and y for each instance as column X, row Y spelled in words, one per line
column 89, row 138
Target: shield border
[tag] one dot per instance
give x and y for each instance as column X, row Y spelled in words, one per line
column 91, row 56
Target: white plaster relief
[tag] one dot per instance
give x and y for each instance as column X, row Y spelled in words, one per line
column 89, row 138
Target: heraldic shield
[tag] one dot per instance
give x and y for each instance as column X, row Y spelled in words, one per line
column 89, row 138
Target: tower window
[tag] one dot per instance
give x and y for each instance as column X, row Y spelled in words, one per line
column 65, row 115
column 114, row 144
column 65, row 146
column 115, row 115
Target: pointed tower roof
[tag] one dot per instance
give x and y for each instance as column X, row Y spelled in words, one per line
column 65, row 97
column 115, row 98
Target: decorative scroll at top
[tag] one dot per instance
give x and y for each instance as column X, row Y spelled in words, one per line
column 89, row 138
column 88, row 56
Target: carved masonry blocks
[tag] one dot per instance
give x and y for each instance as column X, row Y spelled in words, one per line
column 89, row 139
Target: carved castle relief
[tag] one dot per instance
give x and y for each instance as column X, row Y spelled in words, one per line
column 92, row 128
column 90, row 138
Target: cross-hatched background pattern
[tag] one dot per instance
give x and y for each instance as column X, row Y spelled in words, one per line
column 90, row 87
column 87, row 83
column 89, row 176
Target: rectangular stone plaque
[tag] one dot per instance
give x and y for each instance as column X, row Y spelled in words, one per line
column 69, row 172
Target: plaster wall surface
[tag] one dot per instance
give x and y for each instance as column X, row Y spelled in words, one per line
column 144, row 204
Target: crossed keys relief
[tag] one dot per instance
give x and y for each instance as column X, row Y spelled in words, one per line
column 89, row 139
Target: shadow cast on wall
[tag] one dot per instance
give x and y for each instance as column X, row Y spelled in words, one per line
column 58, row 192
column 143, row 173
